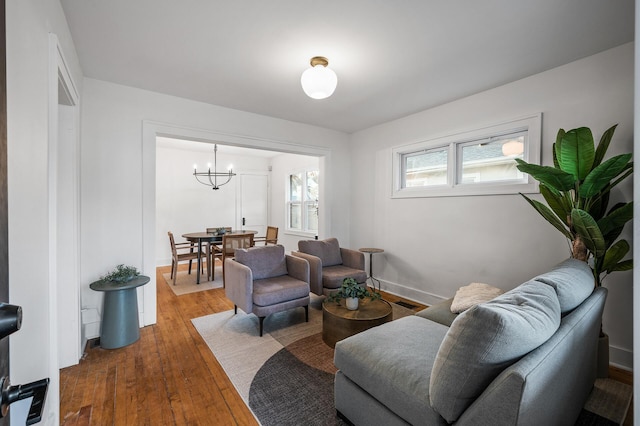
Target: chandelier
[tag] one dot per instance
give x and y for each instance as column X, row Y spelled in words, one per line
column 210, row 178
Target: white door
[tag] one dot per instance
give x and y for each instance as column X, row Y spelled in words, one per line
column 254, row 202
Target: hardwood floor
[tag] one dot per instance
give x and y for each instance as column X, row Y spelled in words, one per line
column 169, row 376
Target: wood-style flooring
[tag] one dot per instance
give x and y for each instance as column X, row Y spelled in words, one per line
column 168, row 377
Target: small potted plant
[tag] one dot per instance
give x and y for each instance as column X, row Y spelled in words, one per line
column 352, row 292
column 121, row 274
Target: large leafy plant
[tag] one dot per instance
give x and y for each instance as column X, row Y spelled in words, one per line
column 577, row 190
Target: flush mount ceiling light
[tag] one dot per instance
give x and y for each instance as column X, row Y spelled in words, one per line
column 319, row 81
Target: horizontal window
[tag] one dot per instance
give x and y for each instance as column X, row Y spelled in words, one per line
column 476, row 162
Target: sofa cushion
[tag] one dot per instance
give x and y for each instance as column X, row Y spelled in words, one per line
column 439, row 312
column 392, row 363
column 264, row 261
column 327, row 250
column 572, row 280
column 486, row 339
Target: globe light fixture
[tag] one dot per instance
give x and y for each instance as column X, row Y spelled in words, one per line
column 319, row 81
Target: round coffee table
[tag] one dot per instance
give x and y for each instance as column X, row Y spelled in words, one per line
column 338, row 322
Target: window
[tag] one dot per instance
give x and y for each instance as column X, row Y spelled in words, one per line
column 302, row 202
column 477, row 162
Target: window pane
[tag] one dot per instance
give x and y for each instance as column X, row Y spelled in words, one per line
column 491, row 161
column 295, row 187
column 311, row 211
column 312, row 185
column 425, row 168
column 295, row 216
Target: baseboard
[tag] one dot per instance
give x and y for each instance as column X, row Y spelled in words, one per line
column 620, row 357
column 413, row 294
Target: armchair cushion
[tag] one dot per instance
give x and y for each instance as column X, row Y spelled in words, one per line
column 480, row 344
column 272, row 291
column 327, row 250
column 264, row 261
column 333, row 276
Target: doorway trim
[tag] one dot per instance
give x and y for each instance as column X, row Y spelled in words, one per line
column 59, row 79
column 152, row 129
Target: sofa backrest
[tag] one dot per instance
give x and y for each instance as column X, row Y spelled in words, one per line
column 327, row 250
column 573, row 282
column 486, row 339
column 264, row 261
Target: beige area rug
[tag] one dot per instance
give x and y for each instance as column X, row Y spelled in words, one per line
column 238, row 347
column 186, row 283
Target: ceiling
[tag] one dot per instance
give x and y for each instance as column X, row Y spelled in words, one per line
column 392, row 57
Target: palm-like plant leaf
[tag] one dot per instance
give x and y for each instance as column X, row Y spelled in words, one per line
column 615, row 254
column 556, row 202
column 625, row 265
column 600, row 176
column 603, row 146
column 588, row 229
column 577, row 152
column 618, row 216
column 549, row 216
column 552, row 177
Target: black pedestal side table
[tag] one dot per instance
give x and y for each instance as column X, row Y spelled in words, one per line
column 120, row 326
column 371, row 251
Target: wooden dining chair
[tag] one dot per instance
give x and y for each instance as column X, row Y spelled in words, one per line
column 270, row 238
column 215, row 252
column 177, row 256
column 231, row 242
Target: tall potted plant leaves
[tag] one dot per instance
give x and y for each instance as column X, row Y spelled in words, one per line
column 576, row 190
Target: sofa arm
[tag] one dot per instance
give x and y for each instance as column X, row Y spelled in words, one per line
column 297, row 268
column 238, row 284
column 352, row 258
column 315, row 271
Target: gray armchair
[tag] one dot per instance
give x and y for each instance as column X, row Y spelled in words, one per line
column 263, row 280
column 330, row 264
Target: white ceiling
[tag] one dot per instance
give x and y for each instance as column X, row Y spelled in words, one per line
column 392, row 57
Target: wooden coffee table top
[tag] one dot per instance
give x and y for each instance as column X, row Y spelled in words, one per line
column 338, row 322
column 367, row 309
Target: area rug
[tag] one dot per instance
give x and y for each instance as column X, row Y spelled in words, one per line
column 286, row 376
column 186, row 283
column 289, row 367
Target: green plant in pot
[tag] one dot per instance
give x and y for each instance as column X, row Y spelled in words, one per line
column 577, row 190
column 121, row 274
column 352, row 292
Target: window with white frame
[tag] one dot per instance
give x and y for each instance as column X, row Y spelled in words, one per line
column 302, row 201
column 476, row 162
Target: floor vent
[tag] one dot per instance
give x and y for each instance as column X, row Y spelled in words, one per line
column 406, row 305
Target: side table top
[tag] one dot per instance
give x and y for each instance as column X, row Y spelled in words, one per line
column 367, row 309
column 115, row 286
column 371, row 250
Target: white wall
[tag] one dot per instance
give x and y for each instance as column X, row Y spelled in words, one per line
column 183, row 205
column 282, row 167
column 29, row 23
column 435, row 245
column 118, row 171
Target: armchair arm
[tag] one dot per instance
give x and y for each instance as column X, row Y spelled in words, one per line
column 352, row 258
column 239, row 284
column 297, row 268
column 315, row 271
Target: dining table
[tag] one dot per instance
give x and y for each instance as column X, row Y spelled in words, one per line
column 210, row 238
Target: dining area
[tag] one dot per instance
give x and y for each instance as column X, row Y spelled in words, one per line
column 204, row 248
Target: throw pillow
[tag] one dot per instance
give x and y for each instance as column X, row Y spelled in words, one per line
column 572, row 280
column 264, row 261
column 473, row 294
column 327, row 250
column 485, row 340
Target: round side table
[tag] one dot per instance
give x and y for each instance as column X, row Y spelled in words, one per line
column 371, row 251
column 120, row 326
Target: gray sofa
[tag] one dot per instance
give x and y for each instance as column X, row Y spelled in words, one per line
column 528, row 357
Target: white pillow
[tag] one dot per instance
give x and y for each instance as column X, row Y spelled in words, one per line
column 473, row 294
